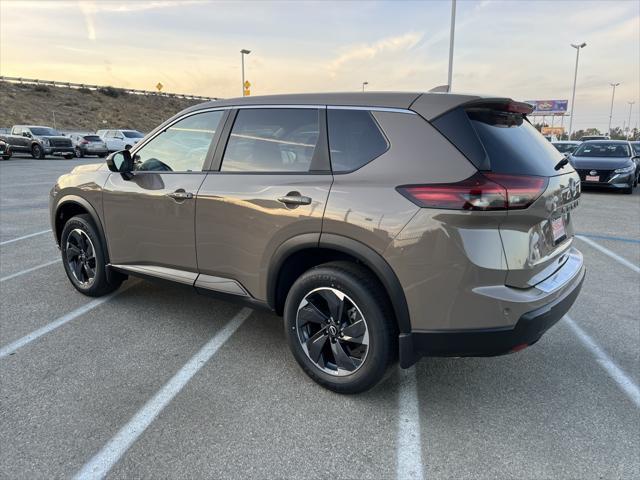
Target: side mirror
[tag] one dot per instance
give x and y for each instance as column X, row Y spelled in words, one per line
column 120, row 162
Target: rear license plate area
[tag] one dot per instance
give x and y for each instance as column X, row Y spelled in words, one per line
column 557, row 229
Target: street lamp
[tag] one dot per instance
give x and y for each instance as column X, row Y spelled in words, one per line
column 243, row 52
column 629, row 122
column 575, row 77
column 363, row 85
column 451, row 36
column 613, row 94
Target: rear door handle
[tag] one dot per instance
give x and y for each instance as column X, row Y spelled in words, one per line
column 180, row 195
column 292, row 199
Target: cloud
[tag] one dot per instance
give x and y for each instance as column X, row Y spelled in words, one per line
column 370, row 51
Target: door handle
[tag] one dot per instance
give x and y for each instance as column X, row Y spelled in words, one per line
column 294, row 199
column 180, row 195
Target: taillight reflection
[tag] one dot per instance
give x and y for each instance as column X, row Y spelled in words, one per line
column 488, row 191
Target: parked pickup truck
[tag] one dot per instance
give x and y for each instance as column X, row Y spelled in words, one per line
column 38, row 141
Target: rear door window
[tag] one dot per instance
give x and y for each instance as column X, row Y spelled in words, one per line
column 354, row 139
column 273, row 140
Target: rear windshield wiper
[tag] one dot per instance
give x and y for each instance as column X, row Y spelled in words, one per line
column 561, row 163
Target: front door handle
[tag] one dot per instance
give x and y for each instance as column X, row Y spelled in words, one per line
column 180, row 195
column 295, row 199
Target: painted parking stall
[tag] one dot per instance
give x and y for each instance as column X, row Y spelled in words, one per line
column 142, row 385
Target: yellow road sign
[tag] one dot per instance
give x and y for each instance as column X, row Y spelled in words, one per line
column 159, row 86
column 247, row 92
column 247, row 85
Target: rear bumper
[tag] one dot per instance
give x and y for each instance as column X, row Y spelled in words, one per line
column 490, row 342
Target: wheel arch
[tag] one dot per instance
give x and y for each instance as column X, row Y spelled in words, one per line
column 299, row 253
column 70, row 206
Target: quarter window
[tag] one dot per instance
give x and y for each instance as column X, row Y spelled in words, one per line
column 354, row 139
column 272, row 140
column 182, row 147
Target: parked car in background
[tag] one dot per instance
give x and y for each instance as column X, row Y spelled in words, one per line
column 38, row 141
column 378, row 224
column 5, row 150
column 594, row 137
column 117, row 140
column 607, row 163
column 88, row 144
column 565, row 147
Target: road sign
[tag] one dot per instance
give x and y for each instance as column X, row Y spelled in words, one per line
column 247, row 85
column 247, row 92
column 159, row 86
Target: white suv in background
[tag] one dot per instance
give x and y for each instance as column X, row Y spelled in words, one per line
column 117, row 140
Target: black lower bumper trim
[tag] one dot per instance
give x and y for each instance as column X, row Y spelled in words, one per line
column 486, row 342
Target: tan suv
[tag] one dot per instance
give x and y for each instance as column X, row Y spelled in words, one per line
column 381, row 225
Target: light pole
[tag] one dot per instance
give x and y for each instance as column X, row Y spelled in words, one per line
column 613, row 94
column 363, row 85
column 575, row 77
column 629, row 122
column 243, row 52
column 451, row 37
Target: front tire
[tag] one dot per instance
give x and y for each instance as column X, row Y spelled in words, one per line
column 79, row 153
column 84, row 259
column 37, row 152
column 340, row 327
column 628, row 190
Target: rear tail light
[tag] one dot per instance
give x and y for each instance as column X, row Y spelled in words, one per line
column 84, row 142
column 482, row 191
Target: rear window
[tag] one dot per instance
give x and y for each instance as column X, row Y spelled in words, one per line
column 602, row 149
column 354, row 139
column 92, row 138
column 502, row 142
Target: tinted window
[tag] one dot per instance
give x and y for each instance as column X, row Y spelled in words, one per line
column 602, row 149
column 636, row 148
column 513, row 144
column 44, row 131
column 92, row 138
column 132, row 134
column 354, row 139
column 272, row 140
column 565, row 147
column 182, row 147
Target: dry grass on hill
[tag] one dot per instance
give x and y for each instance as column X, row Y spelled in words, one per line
column 84, row 109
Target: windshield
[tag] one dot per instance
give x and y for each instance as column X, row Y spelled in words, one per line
column 602, row 150
column 565, row 147
column 132, row 134
column 44, row 131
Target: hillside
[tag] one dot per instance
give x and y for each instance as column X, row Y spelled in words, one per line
column 84, row 109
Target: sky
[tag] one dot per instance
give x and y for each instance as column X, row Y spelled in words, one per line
column 513, row 48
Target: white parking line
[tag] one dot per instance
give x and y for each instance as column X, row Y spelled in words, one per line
column 6, row 242
column 409, row 449
column 21, row 342
column 112, row 452
column 608, row 252
column 615, row 372
column 28, row 270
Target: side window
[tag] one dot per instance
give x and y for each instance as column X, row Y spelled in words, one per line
column 182, row 147
column 354, row 139
column 109, row 134
column 16, row 131
column 272, row 140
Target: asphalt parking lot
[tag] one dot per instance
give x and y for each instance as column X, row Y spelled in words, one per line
column 158, row 382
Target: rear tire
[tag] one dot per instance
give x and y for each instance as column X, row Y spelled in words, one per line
column 37, row 151
column 84, row 259
column 364, row 329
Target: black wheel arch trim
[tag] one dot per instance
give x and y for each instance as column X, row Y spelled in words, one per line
column 90, row 210
column 369, row 257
